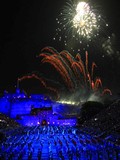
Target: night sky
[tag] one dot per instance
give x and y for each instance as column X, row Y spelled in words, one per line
column 28, row 26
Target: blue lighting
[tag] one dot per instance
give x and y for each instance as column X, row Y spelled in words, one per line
column 49, row 131
column 32, row 110
column 55, row 142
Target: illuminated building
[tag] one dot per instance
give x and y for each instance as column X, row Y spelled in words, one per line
column 36, row 109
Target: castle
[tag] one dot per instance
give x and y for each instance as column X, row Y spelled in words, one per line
column 36, row 109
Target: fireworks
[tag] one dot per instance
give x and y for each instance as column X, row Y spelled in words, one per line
column 81, row 24
column 43, row 82
column 75, row 74
column 85, row 21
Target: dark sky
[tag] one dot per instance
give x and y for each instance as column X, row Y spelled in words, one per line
column 27, row 26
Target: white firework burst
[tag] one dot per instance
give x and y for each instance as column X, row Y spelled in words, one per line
column 85, row 21
column 79, row 24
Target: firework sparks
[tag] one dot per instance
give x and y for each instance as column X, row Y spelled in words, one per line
column 85, row 21
column 42, row 81
column 75, row 74
column 79, row 23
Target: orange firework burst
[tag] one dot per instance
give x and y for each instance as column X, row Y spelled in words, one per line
column 74, row 73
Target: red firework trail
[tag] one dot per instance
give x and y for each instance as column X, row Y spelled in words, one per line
column 49, row 50
column 57, row 63
column 73, row 71
column 66, row 56
column 97, row 84
column 86, row 62
column 106, row 91
column 92, row 71
column 42, row 81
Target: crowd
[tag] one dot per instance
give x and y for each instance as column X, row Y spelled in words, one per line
column 55, row 143
column 6, row 122
column 96, row 139
column 106, row 124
